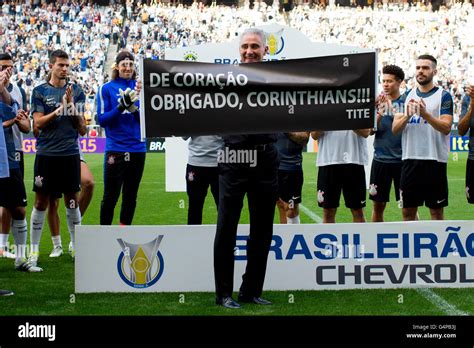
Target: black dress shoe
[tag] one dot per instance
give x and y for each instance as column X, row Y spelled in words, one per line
column 254, row 300
column 227, row 302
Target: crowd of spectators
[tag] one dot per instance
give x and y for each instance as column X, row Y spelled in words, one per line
column 398, row 31
column 30, row 31
column 149, row 30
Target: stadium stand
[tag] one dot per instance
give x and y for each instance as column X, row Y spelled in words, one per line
column 399, row 31
column 30, row 33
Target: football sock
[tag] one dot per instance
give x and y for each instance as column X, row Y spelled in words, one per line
column 73, row 217
column 36, row 228
column 56, row 241
column 295, row 220
column 20, row 231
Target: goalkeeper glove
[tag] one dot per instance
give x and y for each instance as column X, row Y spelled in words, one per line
column 127, row 100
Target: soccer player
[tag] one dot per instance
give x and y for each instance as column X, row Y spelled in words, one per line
column 342, row 156
column 16, row 126
column 57, row 107
column 259, row 181
column 425, row 127
column 85, row 197
column 387, row 162
column 12, row 188
column 466, row 124
column 125, row 153
column 201, row 172
column 290, row 175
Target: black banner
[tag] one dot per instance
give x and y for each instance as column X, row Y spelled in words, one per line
column 324, row 93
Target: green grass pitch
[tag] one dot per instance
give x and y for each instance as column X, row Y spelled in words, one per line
column 52, row 291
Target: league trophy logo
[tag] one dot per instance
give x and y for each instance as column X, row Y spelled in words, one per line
column 140, row 265
column 275, row 42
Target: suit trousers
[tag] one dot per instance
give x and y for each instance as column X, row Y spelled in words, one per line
column 260, row 183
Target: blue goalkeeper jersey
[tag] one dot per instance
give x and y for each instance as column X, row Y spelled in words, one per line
column 122, row 129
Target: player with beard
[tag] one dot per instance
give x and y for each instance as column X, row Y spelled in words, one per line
column 54, row 106
column 425, row 126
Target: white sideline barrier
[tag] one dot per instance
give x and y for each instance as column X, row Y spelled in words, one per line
column 429, row 254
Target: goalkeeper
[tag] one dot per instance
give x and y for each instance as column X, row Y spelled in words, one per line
column 124, row 161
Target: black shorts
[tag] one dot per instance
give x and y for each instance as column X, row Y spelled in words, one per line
column 424, row 182
column 12, row 190
column 290, row 183
column 348, row 178
column 59, row 195
column 470, row 181
column 199, row 178
column 55, row 175
column 381, row 177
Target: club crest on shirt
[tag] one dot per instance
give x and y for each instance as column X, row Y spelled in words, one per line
column 111, row 159
column 38, row 181
column 191, row 176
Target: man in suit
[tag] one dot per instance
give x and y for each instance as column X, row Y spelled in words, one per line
column 259, row 180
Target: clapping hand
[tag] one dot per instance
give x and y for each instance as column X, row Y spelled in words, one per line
column 412, row 107
column 67, row 97
column 4, row 78
column 21, row 115
column 422, row 108
column 470, row 93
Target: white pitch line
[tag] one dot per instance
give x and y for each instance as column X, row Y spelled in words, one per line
column 440, row 302
column 315, row 217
